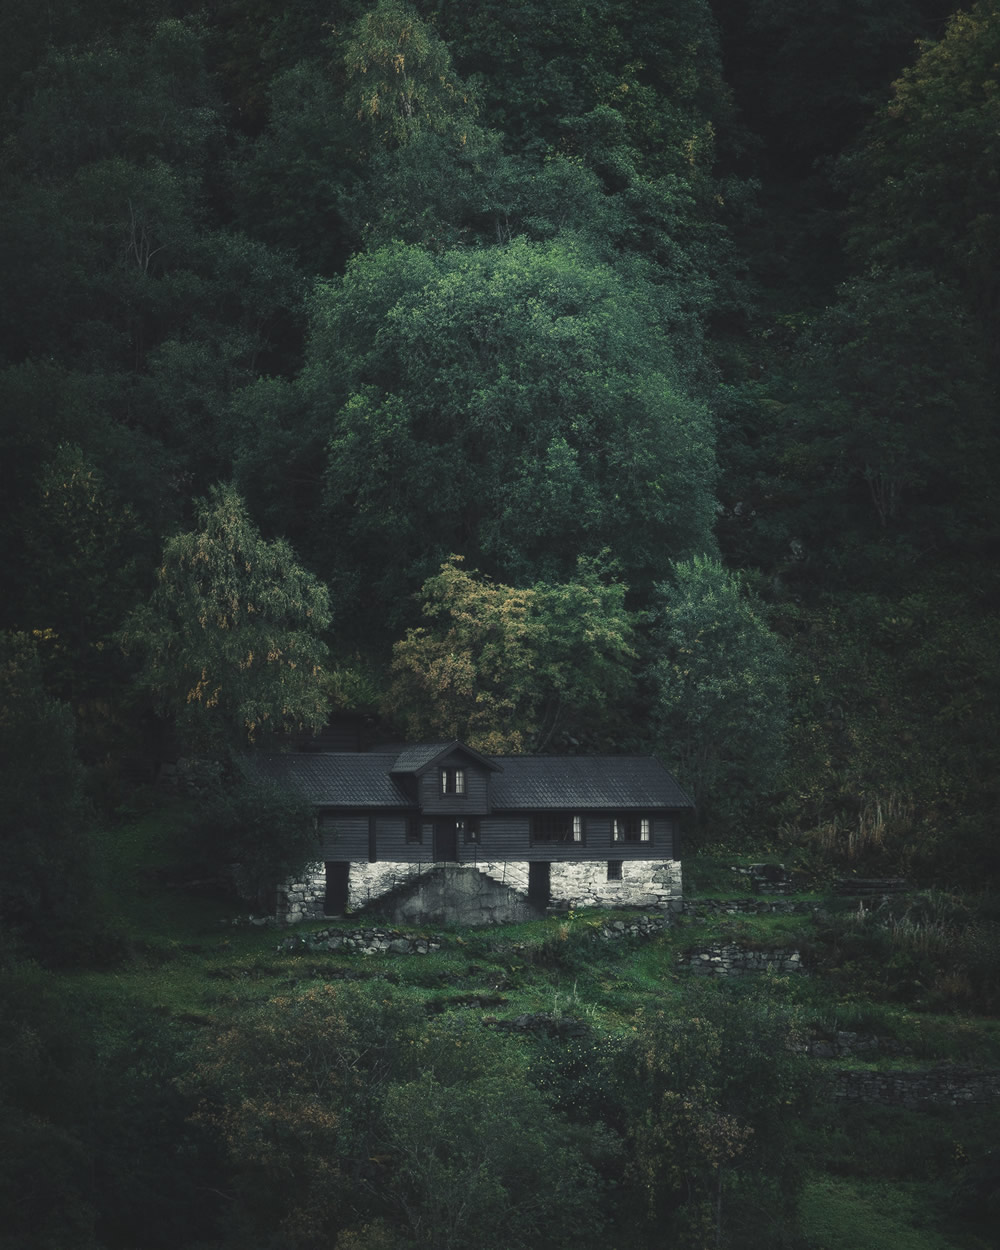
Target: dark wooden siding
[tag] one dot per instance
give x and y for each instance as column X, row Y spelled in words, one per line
column 344, row 835
column 503, row 836
column 507, row 836
column 391, row 843
column 475, row 801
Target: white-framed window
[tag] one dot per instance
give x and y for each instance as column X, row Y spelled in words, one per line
column 556, row 827
column 453, row 781
column 631, row 829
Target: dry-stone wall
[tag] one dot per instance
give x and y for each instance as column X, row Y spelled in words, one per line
column 726, row 959
column 712, row 908
column 766, row 878
column 955, row 1087
column 364, row 942
column 845, row 1043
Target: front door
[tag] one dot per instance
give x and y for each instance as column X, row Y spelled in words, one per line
column 446, row 840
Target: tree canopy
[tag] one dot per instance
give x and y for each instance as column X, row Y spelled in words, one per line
column 230, row 641
column 514, row 670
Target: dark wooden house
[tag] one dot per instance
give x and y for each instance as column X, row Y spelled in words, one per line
column 555, row 831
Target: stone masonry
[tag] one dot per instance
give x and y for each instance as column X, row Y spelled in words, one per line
column 642, row 884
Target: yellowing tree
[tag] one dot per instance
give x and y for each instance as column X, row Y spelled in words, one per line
column 401, row 75
column 506, row 669
column 230, row 640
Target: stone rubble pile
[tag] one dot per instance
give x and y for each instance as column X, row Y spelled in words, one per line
column 364, row 942
column 635, row 927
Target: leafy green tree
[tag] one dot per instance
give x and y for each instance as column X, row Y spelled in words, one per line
column 925, row 178
column 720, row 696
column 484, row 1162
column 713, row 1097
column 47, row 884
column 519, row 405
column 229, row 642
column 508, row 669
column 291, row 181
column 291, row 1089
column 255, row 831
column 875, row 443
column 401, row 76
column 91, row 545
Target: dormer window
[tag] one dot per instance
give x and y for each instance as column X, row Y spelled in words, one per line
column 453, row 781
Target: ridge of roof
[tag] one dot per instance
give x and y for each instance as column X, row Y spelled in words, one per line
column 421, row 756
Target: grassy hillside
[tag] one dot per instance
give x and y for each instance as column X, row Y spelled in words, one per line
column 155, row 1083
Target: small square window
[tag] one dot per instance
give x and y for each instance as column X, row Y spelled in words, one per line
column 614, row 870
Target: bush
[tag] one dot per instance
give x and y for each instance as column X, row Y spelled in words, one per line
column 255, row 831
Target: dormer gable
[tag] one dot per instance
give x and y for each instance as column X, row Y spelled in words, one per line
column 417, row 759
column 446, row 777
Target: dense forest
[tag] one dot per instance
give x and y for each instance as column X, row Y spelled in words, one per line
column 577, row 377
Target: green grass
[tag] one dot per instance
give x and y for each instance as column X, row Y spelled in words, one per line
column 845, row 1213
column 880, row 1176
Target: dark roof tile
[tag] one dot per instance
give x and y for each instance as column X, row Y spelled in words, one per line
column 585, row 781
column 337, row 779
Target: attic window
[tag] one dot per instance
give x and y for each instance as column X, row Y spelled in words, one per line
column 631, row 829
column 453, row 781
column 556, row 827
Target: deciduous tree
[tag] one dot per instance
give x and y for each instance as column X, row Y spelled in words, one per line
column 509, row 669
column 230, row 641
column 519, row 405
column 720, row 687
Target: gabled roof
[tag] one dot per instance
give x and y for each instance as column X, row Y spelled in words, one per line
column 417, row 759
column 585, row 781
column 337, row 779
column 353, row 779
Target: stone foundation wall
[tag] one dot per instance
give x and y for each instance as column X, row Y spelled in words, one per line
column 644, row 883
column 303, row 898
